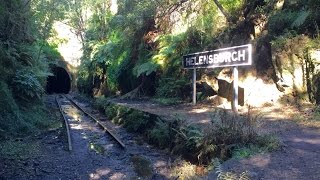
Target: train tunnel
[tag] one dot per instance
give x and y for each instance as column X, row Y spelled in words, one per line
column 60, row 82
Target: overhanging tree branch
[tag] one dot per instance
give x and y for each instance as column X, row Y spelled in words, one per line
column 226, row 15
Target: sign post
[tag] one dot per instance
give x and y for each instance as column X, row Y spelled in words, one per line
column 194, row 84
column 225, row 57
column 235, row 90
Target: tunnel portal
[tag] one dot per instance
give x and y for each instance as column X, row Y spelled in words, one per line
column 60, row 82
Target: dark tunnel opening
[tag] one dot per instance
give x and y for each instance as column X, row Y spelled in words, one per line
column 60, row 82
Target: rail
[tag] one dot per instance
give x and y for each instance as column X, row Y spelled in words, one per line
column 105, row 128
column 66, row 124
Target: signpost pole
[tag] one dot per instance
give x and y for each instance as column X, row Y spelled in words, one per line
column 235, row 90
column 194, row 94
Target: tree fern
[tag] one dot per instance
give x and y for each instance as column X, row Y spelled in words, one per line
column 146, row 68
column 301, row 18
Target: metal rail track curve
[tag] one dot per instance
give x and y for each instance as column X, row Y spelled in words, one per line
column 104, row 127
column 66, row 124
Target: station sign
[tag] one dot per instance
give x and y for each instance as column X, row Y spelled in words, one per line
column 231, row 56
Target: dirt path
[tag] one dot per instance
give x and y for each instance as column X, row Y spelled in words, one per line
column 298, row 159
column 199, row 114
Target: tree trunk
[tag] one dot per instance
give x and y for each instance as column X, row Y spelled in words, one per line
column 226, row 15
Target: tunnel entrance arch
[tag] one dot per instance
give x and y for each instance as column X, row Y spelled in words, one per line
column 60, row 82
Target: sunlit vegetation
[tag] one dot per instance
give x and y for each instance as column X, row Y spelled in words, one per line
column 25, row 57
column 137, row 51
column 226, row 175
column 135, row 47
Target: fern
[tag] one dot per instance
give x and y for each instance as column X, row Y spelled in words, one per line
column 223, row 175
column 160, row 134
column 146, row 68
column 27, row 86
column 302, row 16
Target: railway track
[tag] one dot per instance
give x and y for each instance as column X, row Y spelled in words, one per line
column 71, row 102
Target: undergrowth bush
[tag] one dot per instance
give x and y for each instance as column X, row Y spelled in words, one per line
column 10, row 117
column 226, row 134
column 185, row 171
column 117, row 114
column 171, row 88
column 17, row 149
column 138, row 121
column 101, row 103
column 18, row 121
column 161, row 134
column 133, row 120
column 227, row 175
column 282, row 21
column 27, row 86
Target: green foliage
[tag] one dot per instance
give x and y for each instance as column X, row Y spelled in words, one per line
column 37, row 117
column 17, row 122
column 227, row 136
column 14, row 150
column 233, row 7
column 133, row 120
column 25, row 55
column 234, row 128
column 282, row 21
column 280, row 41
column 161, row 134
column 185, row 170
column 112, row 43
column 84, row 81
column 300, row 19
column 146, row 68
column 101, row 103
column 44, row 13
column 188, row 139
column 142, row 167
column 227, row 175
column 120, row 54
column 98, row 148
column 171, row 88
column 111, row 112
column 169, row 54
column 51, row 53
column 219, row 140
column 138, row 121
column 117, row 114
column 245, row 152
column 268, row 143
column 27, row 86
column 196, row 145
column 10, row 117
column 262, row 144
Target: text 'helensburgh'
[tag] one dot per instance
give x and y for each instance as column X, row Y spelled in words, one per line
column 232, row 56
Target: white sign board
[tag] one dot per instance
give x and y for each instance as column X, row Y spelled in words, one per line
column 232, row 56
